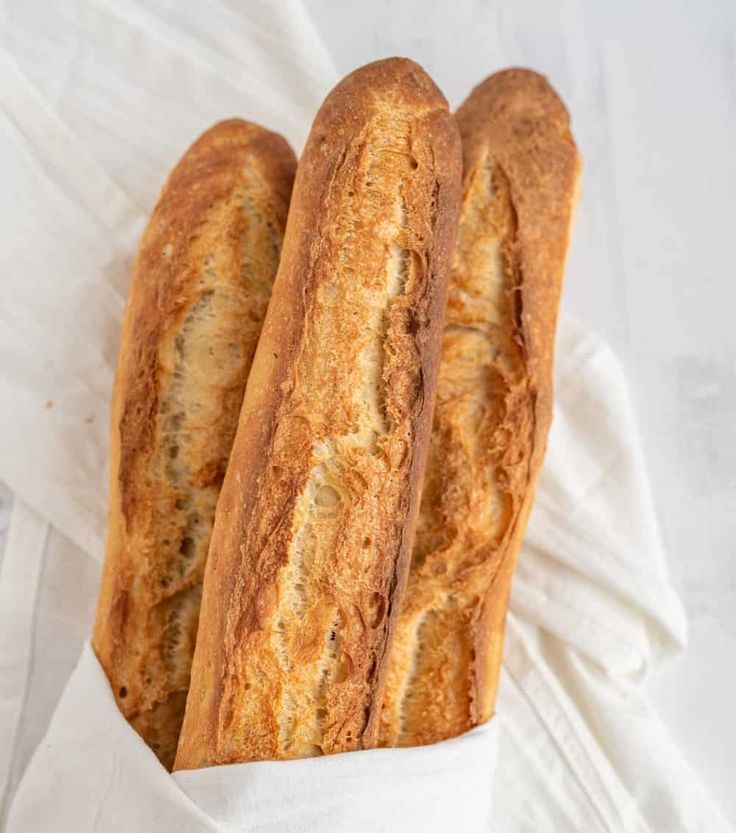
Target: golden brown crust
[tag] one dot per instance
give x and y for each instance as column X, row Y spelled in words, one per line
column 494, row 404
column 197, row 300
column 314, row 526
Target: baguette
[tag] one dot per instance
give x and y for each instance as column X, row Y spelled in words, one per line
column 494, row 406
column 314, row 526
column 198, row 296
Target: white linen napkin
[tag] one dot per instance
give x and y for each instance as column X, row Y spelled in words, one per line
column 97, row 102
column 93, row 773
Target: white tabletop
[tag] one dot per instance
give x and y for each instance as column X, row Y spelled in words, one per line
column 652, row 91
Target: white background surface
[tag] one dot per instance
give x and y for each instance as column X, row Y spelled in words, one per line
column 652, row 91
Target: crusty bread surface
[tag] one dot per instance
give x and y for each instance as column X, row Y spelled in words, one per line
column 313, row 530
column 494, row 405
column 198, row 295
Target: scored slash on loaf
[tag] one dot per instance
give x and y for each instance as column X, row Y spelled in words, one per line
column 198, row 296
column 315, row 521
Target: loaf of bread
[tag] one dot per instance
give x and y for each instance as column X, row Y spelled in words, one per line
column 198, row 296
column 314, row 527
column 494, row 404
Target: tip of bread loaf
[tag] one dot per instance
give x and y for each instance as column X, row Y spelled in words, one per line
column 236, row 133
column 389, row 89
column 235, row 128
column 518, row 116
column 220, row 146
column 517, row 89
column 379, row 79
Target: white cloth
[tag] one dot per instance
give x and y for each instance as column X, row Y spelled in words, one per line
column 93, row 773
column 97, row 101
